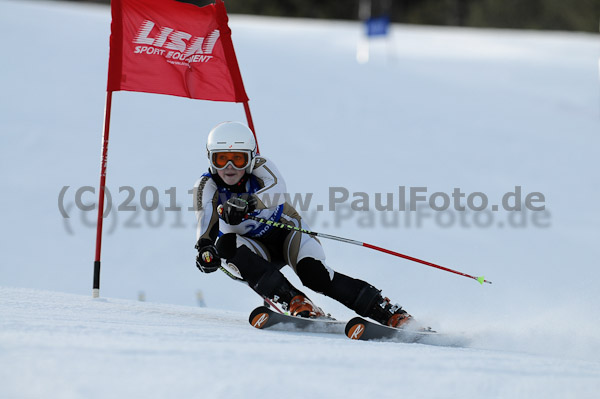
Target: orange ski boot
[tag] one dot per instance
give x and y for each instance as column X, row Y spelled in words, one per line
column 301, row 306
column 387, row 314
column 399, row 318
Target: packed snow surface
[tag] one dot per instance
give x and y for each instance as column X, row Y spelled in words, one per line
column 484, row 111
column 71, row 346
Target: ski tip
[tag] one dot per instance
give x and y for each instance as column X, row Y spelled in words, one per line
column 260, row 320
column 355, row 328
column 355, row 331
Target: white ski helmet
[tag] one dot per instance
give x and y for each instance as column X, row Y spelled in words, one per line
column 227, row 139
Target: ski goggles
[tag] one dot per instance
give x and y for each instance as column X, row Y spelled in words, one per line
column 238, row 159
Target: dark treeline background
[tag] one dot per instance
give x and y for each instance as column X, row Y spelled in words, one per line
column 578, row 15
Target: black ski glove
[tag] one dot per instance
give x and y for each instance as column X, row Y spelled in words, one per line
column 236, row 208
column 207, row 260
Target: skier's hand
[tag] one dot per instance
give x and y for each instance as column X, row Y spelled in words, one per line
column 235, row 209
column 207, row 260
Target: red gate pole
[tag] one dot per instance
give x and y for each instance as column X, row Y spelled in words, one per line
column 251, row 123
column 104, row 160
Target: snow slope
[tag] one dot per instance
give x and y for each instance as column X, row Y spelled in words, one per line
column 482, row 110
column 70, row 346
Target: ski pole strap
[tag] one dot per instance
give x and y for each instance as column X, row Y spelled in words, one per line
column 280, row 225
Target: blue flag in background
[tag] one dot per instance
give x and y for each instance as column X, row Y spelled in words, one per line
column 378, row 26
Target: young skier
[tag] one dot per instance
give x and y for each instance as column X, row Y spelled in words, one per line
column 246, row 184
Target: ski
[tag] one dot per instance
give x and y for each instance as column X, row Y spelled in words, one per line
column 364, row 330
column 265, row 318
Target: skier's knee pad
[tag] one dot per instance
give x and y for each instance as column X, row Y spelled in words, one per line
column 313, row 275
column 365, row 300
column 251, row 266
column 227, row 245
column 269, row 282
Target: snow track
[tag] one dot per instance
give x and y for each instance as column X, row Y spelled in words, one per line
column 69, row 346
